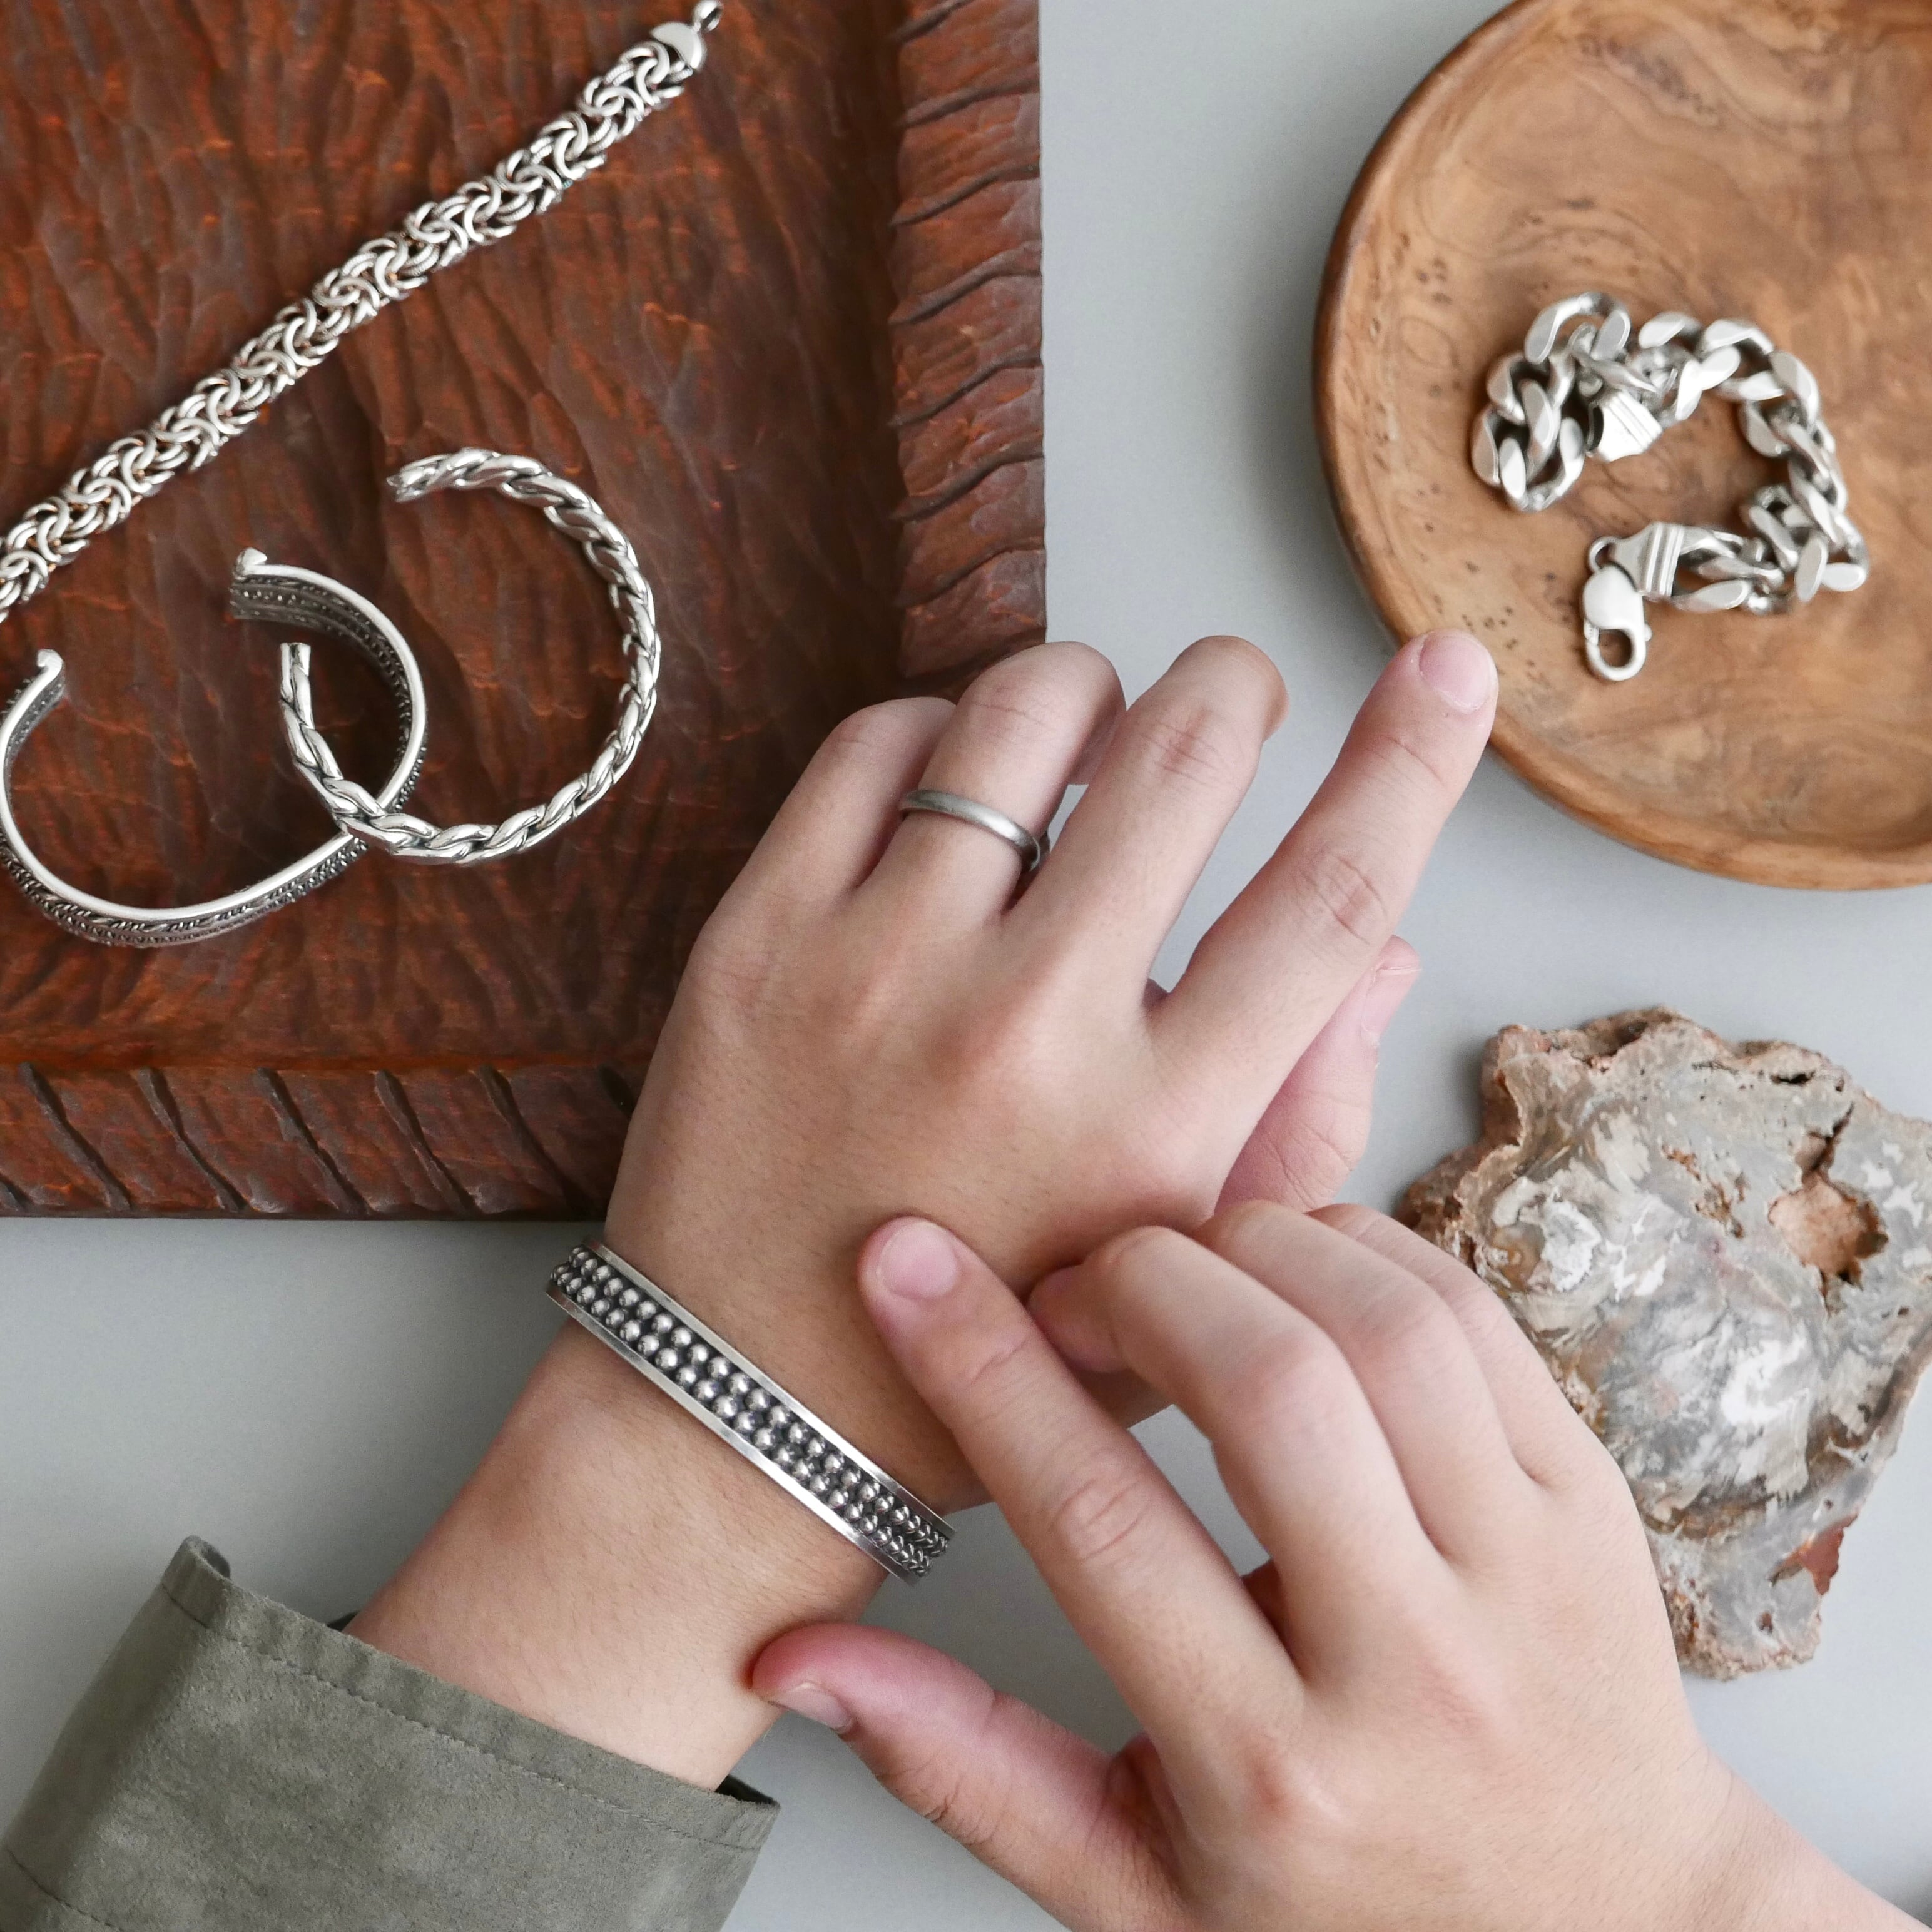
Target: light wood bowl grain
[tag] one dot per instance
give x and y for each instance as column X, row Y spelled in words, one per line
column 1763, row 158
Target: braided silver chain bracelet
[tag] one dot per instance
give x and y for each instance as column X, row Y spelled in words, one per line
column 705, row 1375
column 220, row 407
column 1586, row 384
column 376, row 822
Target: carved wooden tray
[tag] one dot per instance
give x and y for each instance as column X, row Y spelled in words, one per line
column 1722, row 157
column 789, row 337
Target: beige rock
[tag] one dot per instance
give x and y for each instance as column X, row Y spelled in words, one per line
column 1723, row 1252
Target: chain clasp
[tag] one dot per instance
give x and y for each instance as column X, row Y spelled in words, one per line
column 1628, row 572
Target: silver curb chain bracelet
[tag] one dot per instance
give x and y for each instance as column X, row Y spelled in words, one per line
column 1586, row 384
column 220, row 408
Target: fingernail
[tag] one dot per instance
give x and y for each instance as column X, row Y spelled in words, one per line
column 815, row 1701
column 1456, row 667
column 918, row 1261
column 1386, row 992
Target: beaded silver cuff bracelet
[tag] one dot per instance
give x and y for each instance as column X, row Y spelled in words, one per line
column 702, row 1373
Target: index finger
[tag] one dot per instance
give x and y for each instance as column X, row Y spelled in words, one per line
column 1141, row 1581
column 1328, row 900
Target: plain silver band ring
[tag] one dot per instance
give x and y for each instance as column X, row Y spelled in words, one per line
column 1031, row 848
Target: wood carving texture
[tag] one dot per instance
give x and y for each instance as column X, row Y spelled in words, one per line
column 1760, row 158
column 703, row 334
column 971, row 403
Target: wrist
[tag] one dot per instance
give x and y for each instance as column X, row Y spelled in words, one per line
column 1756, row 1874
column 790, row 1304
column 612, row 1569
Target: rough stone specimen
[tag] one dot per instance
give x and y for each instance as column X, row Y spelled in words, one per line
column 1722, row 1252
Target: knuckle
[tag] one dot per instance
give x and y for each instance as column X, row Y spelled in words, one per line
column 1119, row 1265
column 1016, row 706
column 1306, row 1158
column 1321, row 1148
column 1030, row 698
column 1294, row 1382
column 938, row 1787
column 1250, row 1224
column 885, row 732
column 1282, row 1797
column 974, row 1366
column 1347, row 894
column 1002, row 1057
column 1427, row 759
column 1586, row 1464
column 738, row 957
column 1196, row 744
column 1098, row 1523
column 1402, row 1330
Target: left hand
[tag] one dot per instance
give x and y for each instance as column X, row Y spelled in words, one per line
column 873, row 1024
column 1448, row 1703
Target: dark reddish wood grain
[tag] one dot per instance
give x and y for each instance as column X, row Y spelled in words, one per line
column 971, row 407
column 789, row 337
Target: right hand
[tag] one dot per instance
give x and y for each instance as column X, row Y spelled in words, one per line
column 1448, row 1702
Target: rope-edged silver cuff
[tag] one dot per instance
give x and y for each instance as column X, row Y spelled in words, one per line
column 701, row 1371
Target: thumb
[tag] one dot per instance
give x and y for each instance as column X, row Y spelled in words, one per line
column 1023, row 1796
column 1316, row 1128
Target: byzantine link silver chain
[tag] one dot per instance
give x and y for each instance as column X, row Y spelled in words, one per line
column 1586, row 384
column 221, row 408
column 401, row 834
column 382, row 272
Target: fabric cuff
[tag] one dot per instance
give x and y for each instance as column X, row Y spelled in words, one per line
column 237, row 1765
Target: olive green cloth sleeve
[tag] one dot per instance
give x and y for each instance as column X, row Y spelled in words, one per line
column 237, row 1767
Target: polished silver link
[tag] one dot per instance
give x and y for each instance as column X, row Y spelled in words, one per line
column 570, row 510
column 1030, row 845
column 1586, row 385
column 262, row 593
column 706, row 1376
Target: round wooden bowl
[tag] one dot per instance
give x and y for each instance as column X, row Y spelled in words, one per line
column 1724, row 157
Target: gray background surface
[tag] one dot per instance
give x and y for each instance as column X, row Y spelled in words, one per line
column 308, row 1397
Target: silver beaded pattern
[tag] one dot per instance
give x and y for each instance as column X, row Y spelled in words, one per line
column 703, row 1374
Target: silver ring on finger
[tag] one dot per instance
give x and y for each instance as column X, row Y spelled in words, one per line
column 1030, row 845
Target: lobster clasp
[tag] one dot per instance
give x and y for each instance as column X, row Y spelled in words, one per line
column 1628, row 572
column 1613, row 606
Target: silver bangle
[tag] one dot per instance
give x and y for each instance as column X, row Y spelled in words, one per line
column 402, row 835
column 220, row 407
column 262, row 592
column 702, row 1373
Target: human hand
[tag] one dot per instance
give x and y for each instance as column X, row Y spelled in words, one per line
column 1448, row 1703
column 872, row 1024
